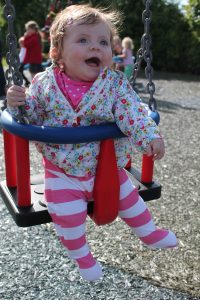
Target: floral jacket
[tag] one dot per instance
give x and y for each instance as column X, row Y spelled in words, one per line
column 110, row 99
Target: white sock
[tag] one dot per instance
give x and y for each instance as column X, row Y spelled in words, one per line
column 93, row 273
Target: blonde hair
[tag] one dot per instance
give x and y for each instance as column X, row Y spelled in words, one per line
column 127, row 42
column 32, row 25
column 80, row 14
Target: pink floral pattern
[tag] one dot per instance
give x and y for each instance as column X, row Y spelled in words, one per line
column 110, row 99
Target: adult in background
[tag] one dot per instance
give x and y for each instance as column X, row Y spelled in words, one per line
column 2, row 75
column 33, row 45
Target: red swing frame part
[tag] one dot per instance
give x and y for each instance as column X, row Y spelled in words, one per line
column 24, row 197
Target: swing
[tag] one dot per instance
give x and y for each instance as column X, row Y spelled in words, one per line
column 23, row 194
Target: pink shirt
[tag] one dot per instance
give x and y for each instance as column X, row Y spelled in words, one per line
column 71, row 89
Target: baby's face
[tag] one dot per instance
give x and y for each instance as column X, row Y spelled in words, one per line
column 86, row 51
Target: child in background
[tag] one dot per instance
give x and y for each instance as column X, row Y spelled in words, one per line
column 117, row 50
column 81, row 89
column 117, row 45
column 127, row 56
column 32, row 43
column 22, row 53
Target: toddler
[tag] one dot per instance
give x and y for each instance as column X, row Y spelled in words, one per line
column 127, row 56
column 117, row 51
column 80, row 89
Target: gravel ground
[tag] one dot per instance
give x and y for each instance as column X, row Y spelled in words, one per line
column 33, row 264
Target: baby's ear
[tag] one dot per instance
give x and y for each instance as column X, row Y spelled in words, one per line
column 53, row 53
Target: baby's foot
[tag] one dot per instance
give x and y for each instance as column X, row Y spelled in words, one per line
column 160, row 239
column 92, row 273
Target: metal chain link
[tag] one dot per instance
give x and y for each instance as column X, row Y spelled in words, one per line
column 144, row 53
column 12, row 74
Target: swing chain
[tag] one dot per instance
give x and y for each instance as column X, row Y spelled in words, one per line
column 145, row 53
column 12, row 74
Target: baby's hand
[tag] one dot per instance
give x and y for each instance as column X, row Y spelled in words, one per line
column 156, row 149
column 16, row 96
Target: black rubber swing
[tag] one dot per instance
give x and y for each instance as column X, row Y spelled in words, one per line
column 24, row 194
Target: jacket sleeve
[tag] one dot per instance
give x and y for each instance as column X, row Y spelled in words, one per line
column 30, row 40
column 35, row 105
column 131, row 115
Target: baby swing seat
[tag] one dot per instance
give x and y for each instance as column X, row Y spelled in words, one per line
column 24, row 194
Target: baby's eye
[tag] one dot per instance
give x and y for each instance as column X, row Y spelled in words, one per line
column 83, row 41
column 104, row 43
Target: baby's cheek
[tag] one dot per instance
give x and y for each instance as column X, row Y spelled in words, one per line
column 108, row 58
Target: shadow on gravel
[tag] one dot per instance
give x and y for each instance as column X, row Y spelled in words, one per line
column 176, row 76
column 163, row 105
column 172, row 76
column 167, row 106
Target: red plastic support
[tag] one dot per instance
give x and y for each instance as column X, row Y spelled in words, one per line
column 23, row 172
column 106, row 186
column 10, row 159
column 147, row 169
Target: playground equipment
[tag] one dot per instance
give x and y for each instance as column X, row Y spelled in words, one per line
column 23, row 194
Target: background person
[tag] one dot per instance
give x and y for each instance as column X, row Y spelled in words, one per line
column 117, row 50
column 33, row 45
column 127, row 56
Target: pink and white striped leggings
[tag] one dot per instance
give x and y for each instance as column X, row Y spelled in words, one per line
column 67, row 199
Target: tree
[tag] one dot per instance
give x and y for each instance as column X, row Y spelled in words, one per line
column 193, row 18
column 193, row 15
column 29, row 10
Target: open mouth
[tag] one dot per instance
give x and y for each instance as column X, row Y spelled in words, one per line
column 93, row 62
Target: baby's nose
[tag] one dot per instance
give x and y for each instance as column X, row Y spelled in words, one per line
column 94, row 46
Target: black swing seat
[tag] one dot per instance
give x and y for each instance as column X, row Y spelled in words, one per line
column 37, row 213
